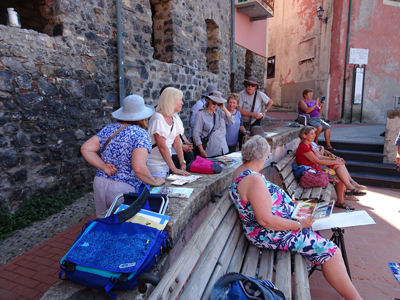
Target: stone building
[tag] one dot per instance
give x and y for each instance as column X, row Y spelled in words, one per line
column 59, row 77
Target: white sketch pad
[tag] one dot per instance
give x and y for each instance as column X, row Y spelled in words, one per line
column 345, row 219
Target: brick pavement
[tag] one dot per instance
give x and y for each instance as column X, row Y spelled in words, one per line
column 31, row 274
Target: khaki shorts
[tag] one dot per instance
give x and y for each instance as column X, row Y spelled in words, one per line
column 105, row 190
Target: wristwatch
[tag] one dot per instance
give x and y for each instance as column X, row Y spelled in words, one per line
column 183, row 162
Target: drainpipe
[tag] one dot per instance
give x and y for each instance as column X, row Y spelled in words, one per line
column 120, row 54
column 233, row 46
column 347, row 55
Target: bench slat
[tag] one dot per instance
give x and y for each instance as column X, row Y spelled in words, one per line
column 288, row 181
column 298, row 192
column 184, row 264
column 292, row 187
column 283, row 274
column 306, row 194
column 195, row 286
column 286, row 171
column 326, row 196
column 266, row 267
column 284, row 162
column 301, row 282
column 225, row 258
column 237, row 259
column 251, row 261
column 316, row 193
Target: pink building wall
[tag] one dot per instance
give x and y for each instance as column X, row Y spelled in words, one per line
column 373, row 26
column 251, row 35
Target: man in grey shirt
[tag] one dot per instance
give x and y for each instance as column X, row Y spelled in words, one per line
column 261, row 105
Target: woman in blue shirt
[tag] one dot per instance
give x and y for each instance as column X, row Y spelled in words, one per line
column 232, row 130
column 124, row 147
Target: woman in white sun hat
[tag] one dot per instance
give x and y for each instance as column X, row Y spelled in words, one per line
column 124, row 147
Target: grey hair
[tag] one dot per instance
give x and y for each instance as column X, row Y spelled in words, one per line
column 256, row 148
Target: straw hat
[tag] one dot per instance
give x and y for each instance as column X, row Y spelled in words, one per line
column 133, row 109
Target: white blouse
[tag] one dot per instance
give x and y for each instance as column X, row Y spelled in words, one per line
column 157, row 124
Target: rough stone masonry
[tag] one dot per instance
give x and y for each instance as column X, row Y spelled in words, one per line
column 58, row 86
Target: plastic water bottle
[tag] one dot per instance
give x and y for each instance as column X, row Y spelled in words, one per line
column 13, row 19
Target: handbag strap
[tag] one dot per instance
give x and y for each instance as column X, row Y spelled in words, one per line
column 111, row 137
column 254, row 101
column 208, row 136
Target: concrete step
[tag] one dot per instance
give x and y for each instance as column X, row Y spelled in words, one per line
column 348, row 155
column 376, row 180
column 367, row 147
column 375, row 168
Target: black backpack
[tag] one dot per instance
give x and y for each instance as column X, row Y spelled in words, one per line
column 236, row 286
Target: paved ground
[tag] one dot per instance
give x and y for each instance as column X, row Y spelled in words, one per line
column 369, row 248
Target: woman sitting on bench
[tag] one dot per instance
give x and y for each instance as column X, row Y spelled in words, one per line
column 265, row 210
column 334, row 167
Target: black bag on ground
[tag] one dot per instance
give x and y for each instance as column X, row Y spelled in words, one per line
column 303, row 119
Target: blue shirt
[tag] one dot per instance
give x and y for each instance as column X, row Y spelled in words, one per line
column 397, row 140
column 119, row 151
column 232, row 130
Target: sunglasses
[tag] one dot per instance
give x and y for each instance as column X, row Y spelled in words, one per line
column 215, row 103
column 252, row 84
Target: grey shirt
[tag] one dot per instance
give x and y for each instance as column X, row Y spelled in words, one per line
column 202, row 126
column 246, row 102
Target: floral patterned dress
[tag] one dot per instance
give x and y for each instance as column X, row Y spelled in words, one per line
column 314, row 247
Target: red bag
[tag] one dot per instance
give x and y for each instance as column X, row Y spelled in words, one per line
column 314, row 178
column 203, row 166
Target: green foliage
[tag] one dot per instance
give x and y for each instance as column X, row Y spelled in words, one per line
column 36, row 208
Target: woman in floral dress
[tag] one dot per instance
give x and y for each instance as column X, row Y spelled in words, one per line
column 265, row 211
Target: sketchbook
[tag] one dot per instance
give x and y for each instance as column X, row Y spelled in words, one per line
column 147, row 218
column 173, row 192
column 321, row 210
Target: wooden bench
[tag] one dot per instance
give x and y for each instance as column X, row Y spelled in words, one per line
column 219, row 246
column 291, row 184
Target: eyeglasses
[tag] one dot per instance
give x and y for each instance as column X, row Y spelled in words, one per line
column 214, row 103
column 252, row 84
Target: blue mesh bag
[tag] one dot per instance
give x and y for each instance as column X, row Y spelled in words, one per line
column 111, row 253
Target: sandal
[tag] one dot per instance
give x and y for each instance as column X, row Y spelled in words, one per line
column 344, row 205
column 351, row 198
column 360, row 186
column 330, row 148
column 355, row 192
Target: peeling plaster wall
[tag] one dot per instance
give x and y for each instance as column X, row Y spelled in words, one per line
column 373, row 26
column 301, row 45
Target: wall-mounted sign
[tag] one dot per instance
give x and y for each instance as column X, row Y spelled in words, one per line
column 358, row 85
column 358, row 56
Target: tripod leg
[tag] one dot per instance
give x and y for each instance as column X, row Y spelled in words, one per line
column 344, row 254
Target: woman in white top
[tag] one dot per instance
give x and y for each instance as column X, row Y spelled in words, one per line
column 164, row 129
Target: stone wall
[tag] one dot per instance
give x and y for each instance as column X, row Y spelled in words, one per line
column 57, row 91
column 248, row 64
